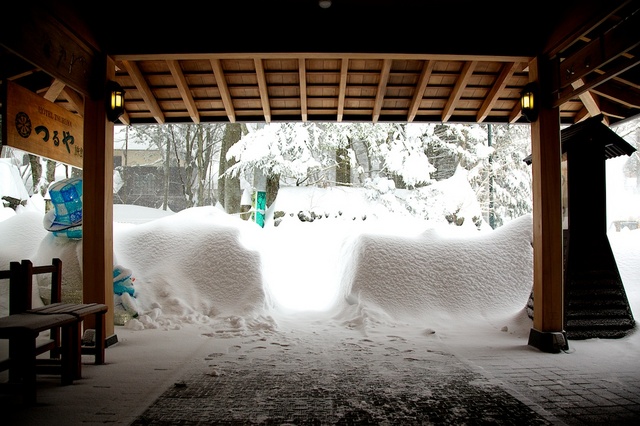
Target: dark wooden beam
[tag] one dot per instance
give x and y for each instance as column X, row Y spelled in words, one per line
column 36, row 35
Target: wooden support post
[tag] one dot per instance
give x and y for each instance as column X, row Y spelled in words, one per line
column 97, row 227
column 547, row 333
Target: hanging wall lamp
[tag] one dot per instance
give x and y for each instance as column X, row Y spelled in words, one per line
column 529, row 102
column 115, row 101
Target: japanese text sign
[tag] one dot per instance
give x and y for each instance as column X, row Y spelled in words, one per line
column 41, row 127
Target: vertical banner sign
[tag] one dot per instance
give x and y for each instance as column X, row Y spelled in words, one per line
column 261, row 206
column 259, row 197
column 38, row 126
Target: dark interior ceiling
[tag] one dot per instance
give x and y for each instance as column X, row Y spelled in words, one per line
column 358, row 60
column 365, row 26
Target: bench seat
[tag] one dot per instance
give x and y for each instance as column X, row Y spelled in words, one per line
column 81, row 311
column 22, row 331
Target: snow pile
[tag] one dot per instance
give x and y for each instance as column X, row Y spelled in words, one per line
column 410, row 278
column 11, row 183
column 191, row 266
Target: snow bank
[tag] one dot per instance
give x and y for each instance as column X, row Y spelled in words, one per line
column 192, row 265
column 409, row 279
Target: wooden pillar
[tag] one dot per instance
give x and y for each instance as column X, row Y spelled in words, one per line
column 54, row 38
column 97, row 226
column 547, row 333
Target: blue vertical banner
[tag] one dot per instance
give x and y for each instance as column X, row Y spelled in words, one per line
column 259, row 197
column 259, row 207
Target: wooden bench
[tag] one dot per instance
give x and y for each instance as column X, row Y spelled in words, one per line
column 64, row 321
column 79, row 310
column 23, row 331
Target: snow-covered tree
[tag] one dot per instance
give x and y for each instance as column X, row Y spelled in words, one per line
column 404, row 154
column 493, row 161
column 502, row 180
column 291, row 151
column 385, row 158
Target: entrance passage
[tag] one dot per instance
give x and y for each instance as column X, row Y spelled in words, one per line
column 316, row 377
column 305, row 274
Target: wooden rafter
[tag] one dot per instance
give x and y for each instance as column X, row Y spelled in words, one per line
column 456, row 93
column 302, row 70
column 145, row 91
column 589, row 102
column 427, row 69
column 54, row 90
column 621, row 66
column 515, row 113
column 598, row 52
column 382, row 88
column 311, row 86
column 626, row 82
column 617, row 50
column 183, row 88
column 262, row 87
column 582, row 115
column 76, row 101
column 344, row 71
column 492, row 97
column 221, row 82
column 629, row 97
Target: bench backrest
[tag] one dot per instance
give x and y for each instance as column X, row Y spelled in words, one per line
column 20, row 277
column 55, row 269
column 12, row 272
column 13, row 275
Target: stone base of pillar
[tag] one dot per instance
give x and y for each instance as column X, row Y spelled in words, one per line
column 111, row 340
column 548, row 341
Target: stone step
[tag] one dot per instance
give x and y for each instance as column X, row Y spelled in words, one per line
column 600, row 314
column 599, row 334
column 581, row 304
column 593, row 283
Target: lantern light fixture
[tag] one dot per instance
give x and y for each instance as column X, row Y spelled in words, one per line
column 529, row 102
column 115, row 101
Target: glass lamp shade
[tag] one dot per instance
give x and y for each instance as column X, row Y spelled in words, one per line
column 115, row 101
column 528, row 102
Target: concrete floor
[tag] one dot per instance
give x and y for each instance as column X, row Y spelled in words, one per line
column 152, row 377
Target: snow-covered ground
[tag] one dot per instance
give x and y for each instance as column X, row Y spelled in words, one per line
column 385, row 282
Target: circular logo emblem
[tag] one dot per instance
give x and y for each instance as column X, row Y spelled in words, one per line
column 23, row 124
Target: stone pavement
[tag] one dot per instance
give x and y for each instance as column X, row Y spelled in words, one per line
column 404, row 389
column 329, row 376
column 396, row 382
column 579, row 387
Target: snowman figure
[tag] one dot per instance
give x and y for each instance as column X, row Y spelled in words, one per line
column 125, row 304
